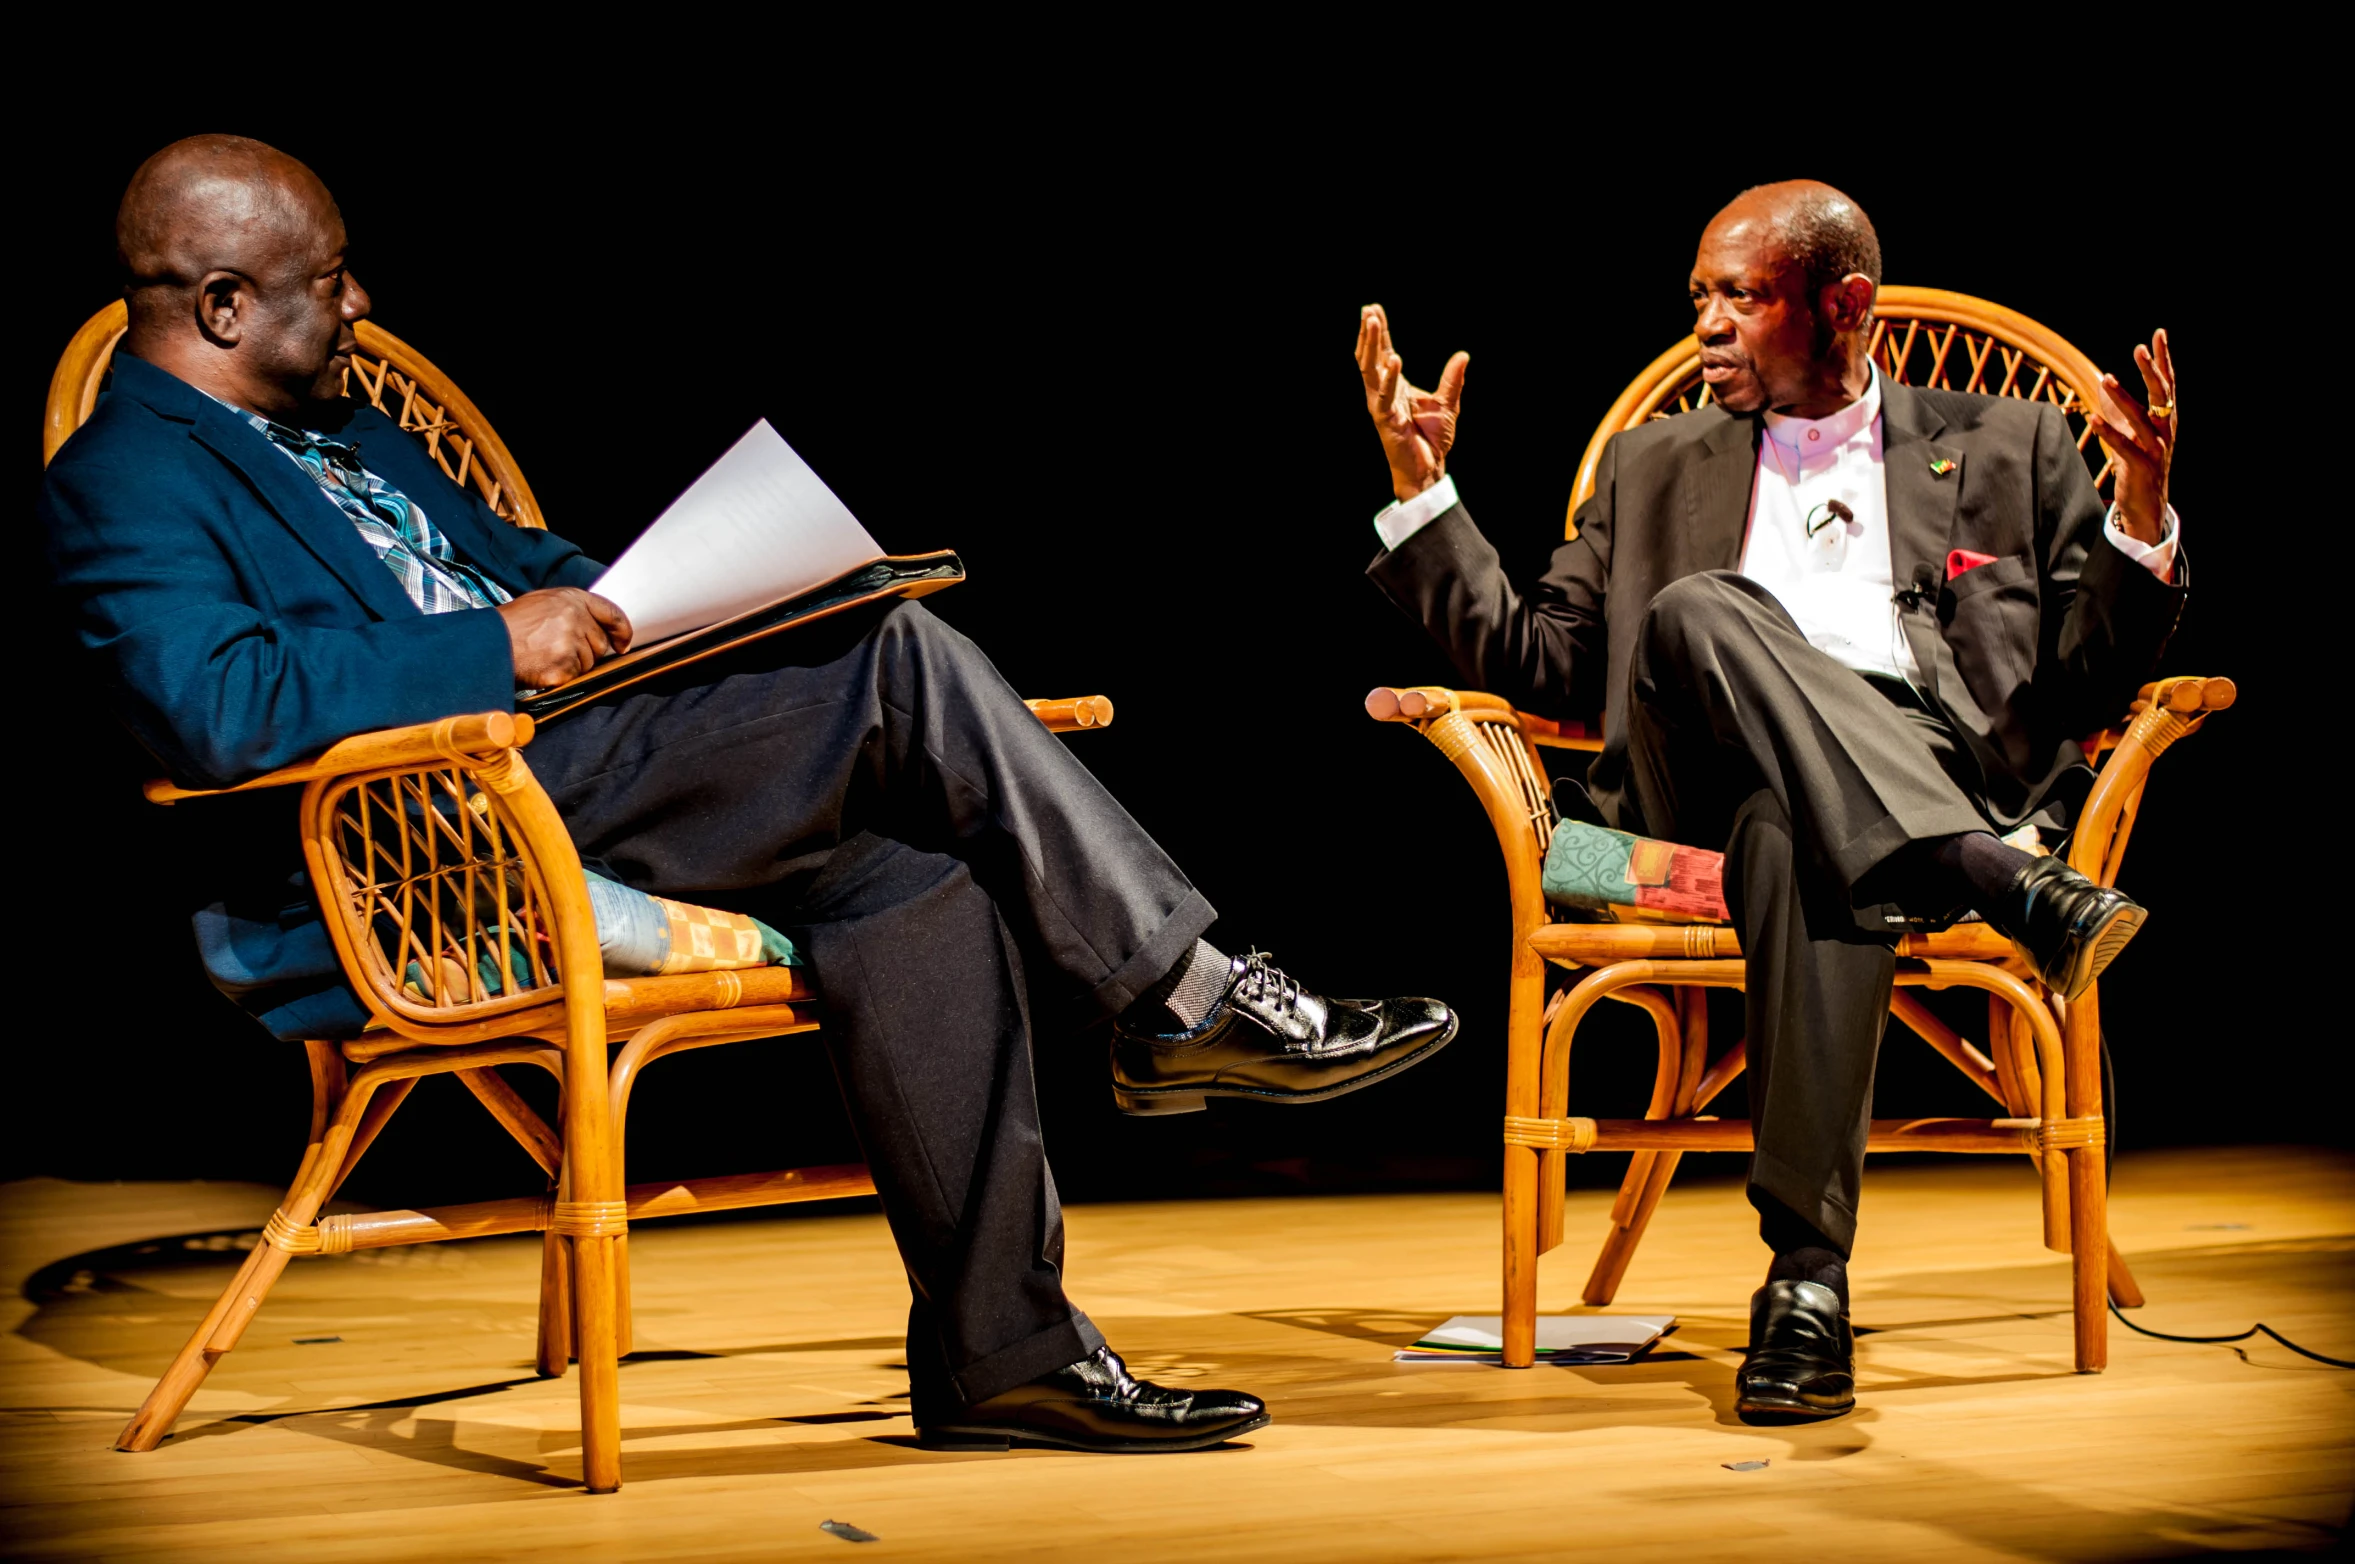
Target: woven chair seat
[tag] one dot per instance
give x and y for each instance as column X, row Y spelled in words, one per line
column 629, row 1003
column 1599, row 944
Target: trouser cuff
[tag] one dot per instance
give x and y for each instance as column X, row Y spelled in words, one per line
column 1775, row 1185
column 1152, row 962
column 1027, row 1359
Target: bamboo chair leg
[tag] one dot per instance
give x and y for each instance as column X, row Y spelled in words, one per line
column 2125, row 1291
column 2088, row 1257
column 2089, row 1238
column 1619, row 1245
column 2013, row 1034
column 1524, row 1083
column 621, row 1295
column 152, row 1423
column 594, row 1344
column 336, row 1115
column 555, row 1344
column 1684, row 1057
column 386, row 1102
column 1520, row 1321
column 1602, row 1283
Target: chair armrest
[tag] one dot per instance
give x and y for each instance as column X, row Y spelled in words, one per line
column 1488, row 743
column 452, row 739
column 1073, row 714
column 2164, row 711
column 1423, row 702
column 460, row 738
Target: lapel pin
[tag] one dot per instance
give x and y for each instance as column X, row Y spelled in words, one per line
column 1941, row 466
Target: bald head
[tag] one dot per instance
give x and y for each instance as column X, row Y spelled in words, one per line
column 1783, row 292
column 1818, row 229
column 232, row 256
column 218, row 203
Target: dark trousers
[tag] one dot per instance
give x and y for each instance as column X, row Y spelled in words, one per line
column 1741, row 732
column 873, row 787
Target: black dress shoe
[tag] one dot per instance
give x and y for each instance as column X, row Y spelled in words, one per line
column 1096, row 1405
column 1802, row 1363
column 1270, row 1039
column 2067, row 927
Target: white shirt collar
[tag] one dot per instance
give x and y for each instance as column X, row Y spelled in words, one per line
column 1806, row 436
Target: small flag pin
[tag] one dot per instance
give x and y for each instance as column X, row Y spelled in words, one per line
column 1941, row 466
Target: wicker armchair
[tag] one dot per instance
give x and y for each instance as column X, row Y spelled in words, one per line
column 2042, row 1060
column 456, row 903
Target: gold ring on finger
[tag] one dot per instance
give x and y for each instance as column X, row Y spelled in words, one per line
column 2162, row 409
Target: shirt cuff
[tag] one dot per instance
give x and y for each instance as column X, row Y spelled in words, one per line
column 2157, row 558
column 1402, row 519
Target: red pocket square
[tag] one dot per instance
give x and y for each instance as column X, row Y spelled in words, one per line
column 1962, row 559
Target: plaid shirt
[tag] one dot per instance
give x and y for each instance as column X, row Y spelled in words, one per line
column 394, row 525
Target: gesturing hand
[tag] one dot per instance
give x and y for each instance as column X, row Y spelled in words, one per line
column 560, row 632
column 2141, row 440
column 1417, row 427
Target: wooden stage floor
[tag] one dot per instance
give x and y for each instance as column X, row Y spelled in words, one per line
column 765, row 1397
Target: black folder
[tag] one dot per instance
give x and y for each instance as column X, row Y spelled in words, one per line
column 893, row 575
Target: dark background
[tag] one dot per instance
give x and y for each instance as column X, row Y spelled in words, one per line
column 1112, row 369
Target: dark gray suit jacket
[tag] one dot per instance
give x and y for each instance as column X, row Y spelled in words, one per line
column 2024, row 656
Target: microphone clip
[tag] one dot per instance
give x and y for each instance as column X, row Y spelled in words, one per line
column 1923, row 593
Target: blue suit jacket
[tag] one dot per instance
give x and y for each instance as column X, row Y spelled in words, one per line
column 240, row 623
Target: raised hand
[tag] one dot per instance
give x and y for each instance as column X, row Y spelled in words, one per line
column 2141, row 440
column 559, row 633
column 1417, row 427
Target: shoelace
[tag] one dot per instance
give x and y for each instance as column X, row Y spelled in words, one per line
column 1262, row 978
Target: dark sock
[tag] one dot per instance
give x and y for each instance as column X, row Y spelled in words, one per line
column 1824, row 1267
column 1187, row 993
column 1975, row 869
column 1801, row 1254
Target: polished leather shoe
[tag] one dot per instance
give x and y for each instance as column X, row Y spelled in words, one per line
column 1802, row 1362
column 2067, row 927
column 1270, row 1039
column 1097, row 1405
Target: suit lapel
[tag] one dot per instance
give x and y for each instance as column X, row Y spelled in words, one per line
column 1718, row 514
column 1921, row 479
column 296, row 501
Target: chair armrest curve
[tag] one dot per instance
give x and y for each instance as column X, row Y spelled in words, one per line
column 455, row 739
column 1073, row 713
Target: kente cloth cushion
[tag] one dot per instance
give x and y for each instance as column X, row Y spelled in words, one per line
column 638, row 934
column 654, row 936
column 1594, row 867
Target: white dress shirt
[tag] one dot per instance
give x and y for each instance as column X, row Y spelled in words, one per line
column 1833, row 574
column 1836, row 581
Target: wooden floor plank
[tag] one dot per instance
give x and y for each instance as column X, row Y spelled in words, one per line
column 770, row 1395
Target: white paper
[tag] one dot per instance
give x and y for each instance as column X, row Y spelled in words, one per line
column 1587, row 1338
column 758, row 526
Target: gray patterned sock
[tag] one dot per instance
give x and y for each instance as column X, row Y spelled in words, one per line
column 1193, row 987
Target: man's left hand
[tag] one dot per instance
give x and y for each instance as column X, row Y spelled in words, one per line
column 2141, row 440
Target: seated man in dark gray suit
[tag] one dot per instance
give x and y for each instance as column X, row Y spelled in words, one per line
column 259, row 568
column 1845, row 630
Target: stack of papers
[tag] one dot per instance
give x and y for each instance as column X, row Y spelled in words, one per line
column 1561, row 1338
column 758, row 526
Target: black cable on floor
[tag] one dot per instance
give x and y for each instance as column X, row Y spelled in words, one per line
column 2110, row 1111
column 2223, row 1341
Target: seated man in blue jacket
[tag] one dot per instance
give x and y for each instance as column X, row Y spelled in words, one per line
column 260, row 568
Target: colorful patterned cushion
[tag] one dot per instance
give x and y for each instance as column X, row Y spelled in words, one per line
column 1593, row 867
column 654, row 936
column 639, row 935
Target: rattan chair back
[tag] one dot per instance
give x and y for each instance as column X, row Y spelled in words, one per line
column 395, row 378
column 1924, row 337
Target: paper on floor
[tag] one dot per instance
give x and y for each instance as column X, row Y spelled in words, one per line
column 1561, row 1338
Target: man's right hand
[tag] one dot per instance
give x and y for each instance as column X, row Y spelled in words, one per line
column 1417, row 427
column 560, row 633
